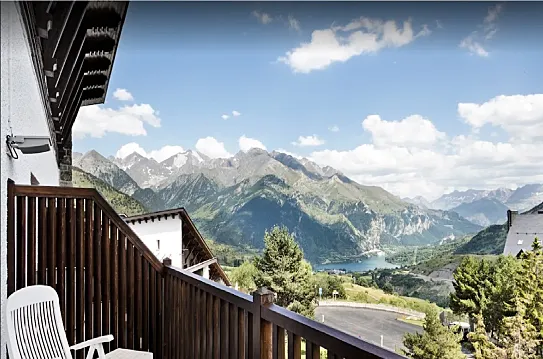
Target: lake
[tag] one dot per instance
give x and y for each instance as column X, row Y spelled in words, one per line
column 363, row 265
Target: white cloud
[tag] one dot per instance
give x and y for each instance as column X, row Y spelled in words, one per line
column 210, row 147
column 262, row 17
column 236, row 113
column 519, row 115
column 225, row 117
column 424, row 32
column 475, row 41
column 159, row 155
column 246, row 143
column 96, row 120
column 473, row 46
column 333, row 128
column 123, row 95
column 293, row 23
column 290, row 21
column 130, row 148
column 429, row 163
column 306, row 141
column 289, row 153
column 412, row 131
column 339, row 44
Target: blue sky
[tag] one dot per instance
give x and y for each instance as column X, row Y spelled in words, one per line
column 194, row 63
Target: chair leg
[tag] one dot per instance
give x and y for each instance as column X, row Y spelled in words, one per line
column 100, row 350
column 90, row 354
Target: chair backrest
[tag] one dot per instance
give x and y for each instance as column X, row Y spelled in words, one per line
column 34, row 325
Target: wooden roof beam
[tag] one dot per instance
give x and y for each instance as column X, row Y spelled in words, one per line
column 95, row 17
column 44, row 18
column 201, row 265
column 68, row 117
column 71, row 36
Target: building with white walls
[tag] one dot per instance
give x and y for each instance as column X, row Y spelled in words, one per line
column 172, row 234
column 56, row 57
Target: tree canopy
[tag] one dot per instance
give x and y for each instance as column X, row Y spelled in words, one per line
column 436, row 342
column 504, row 298
column 283, row 270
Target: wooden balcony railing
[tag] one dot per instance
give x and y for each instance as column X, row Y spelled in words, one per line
column 109, row 282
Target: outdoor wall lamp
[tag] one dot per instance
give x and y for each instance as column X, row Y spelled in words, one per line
column 27, row 144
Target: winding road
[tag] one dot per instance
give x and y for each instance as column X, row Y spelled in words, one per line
column 367, row 324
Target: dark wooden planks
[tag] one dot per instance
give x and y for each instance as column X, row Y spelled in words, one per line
column 70, row 269
column 31, row 241
column 97, row 244
column 21, row 243
column 80, row 273
column 11, row 245
column 114, row 289
column 145, row 303
column 42, row 241
column 89, row 268
column 122, row 255
column 61, row 255
column 105, row 277
column 130, row 278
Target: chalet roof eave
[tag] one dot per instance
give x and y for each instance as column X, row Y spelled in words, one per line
column 155, row 215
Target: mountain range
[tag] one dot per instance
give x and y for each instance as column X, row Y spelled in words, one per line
column 485, row 207
column 235, row 200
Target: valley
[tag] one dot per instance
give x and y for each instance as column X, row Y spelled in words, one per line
column 338, row 223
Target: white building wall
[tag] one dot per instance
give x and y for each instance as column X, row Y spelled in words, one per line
column 22, row 113
column 168, row 232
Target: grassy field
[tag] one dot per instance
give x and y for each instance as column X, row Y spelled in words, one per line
column 356, row 293
column 409, row 320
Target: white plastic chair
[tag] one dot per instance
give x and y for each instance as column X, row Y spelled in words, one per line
column 35, row 329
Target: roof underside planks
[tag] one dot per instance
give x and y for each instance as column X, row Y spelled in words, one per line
column 76, row 47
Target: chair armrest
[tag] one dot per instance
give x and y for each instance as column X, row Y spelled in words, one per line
column 88, row 343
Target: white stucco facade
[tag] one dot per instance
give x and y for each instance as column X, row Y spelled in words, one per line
column 22, row 113
column 163, row 237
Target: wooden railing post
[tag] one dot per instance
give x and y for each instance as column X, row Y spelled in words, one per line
column 262, row 330
column 167, row 261
column 167, row 308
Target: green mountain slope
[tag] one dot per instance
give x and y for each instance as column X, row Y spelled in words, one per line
column 333, row 230
column 122, row 203
column 490, row 240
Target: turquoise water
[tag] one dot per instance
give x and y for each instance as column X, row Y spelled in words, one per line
column 363, row 265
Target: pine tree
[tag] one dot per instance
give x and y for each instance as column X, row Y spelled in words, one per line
column 470, row 284
column 500, row 291
column 244, row 276
column 518, row 335
column 283, row 270
column 484, row 348
column 436, row 342
column 531, row 291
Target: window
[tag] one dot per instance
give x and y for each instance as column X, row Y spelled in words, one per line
column 158, row 244
column 520, row 241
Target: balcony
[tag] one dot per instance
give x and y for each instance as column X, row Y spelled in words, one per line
column 109, row 282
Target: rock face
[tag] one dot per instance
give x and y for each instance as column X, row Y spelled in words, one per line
column 235, row 200
column 99, row 166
